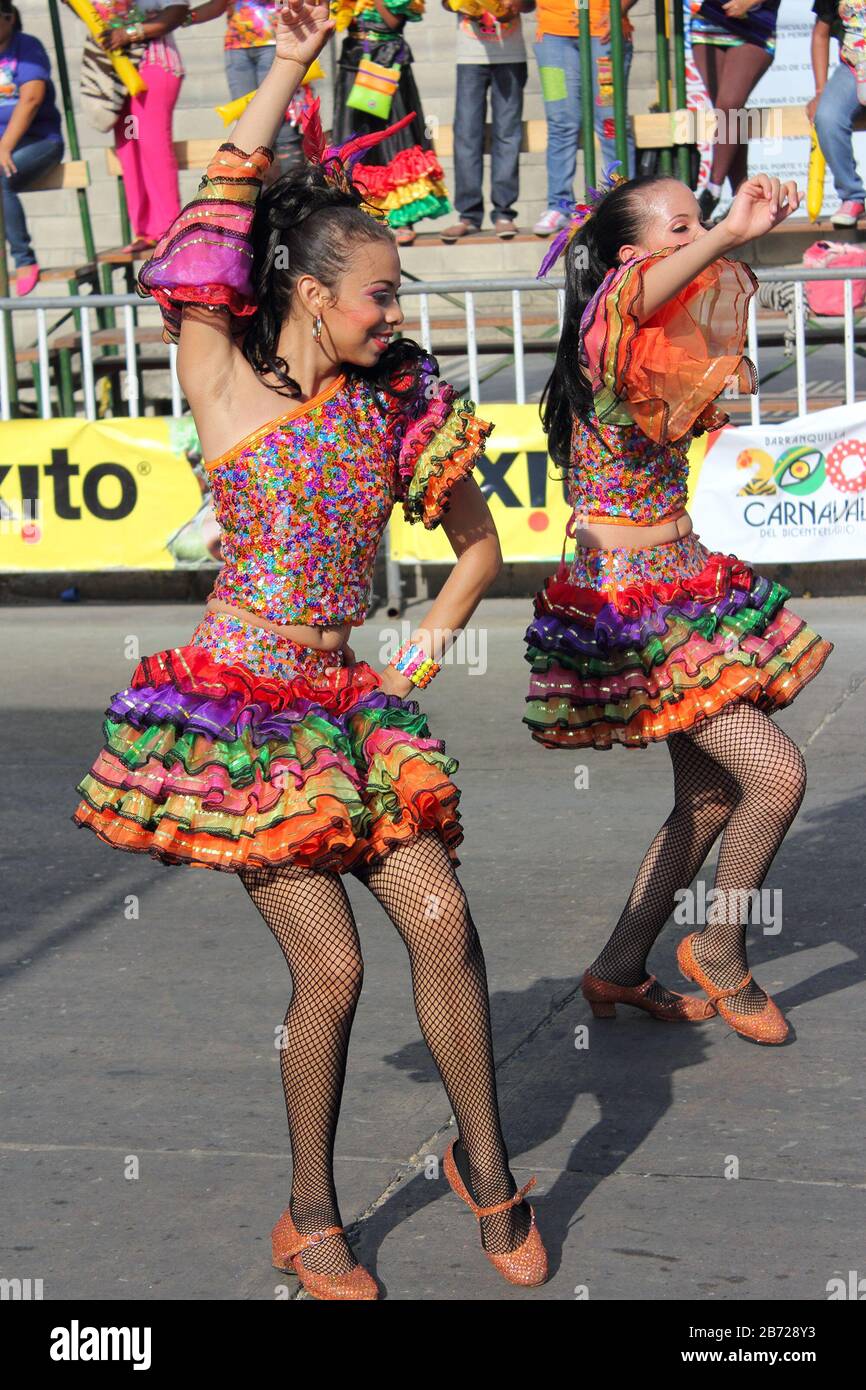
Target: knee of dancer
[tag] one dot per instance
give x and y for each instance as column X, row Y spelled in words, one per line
column 336, row 978
column 781, row 785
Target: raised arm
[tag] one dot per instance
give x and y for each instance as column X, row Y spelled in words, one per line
column 760, row 204
column 186, row 279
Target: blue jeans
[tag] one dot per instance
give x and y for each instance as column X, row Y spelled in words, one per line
column 833, row 117
column 558, row 58
column 505, row 82
column 34, row 155
column 246, row 69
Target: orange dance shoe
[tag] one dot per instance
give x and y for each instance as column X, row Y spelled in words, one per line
column 603, row 996
column 768, row 1026
column 528, row 1263
column 287, row 1244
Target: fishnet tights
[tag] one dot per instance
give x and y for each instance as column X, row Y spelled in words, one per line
column 311, row 917
column 737, row 773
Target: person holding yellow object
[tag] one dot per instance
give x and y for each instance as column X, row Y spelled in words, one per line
column 249, row 46
column 126, row 70
column 141, row 123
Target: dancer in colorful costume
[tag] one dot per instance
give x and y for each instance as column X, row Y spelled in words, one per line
column 648, row 635
column 262, row 747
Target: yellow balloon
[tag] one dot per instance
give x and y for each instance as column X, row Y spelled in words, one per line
column 126, row 70
column 815, row 183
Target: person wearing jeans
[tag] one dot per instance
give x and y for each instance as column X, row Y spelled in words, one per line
column 832, row 110
column 557, row 50
column 491, row 59
column 249, row 46
column 31, row 139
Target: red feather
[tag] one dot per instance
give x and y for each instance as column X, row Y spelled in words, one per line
column 314, row 137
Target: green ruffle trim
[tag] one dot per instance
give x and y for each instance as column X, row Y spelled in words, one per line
column 431, row 206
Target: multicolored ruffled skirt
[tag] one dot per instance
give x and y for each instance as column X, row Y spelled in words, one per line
column 630, row 646
column 402, row 175
column 244, row 748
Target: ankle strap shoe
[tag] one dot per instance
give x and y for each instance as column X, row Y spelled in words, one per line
column 288, row 1244
column 768, row 1026
column 603, row 996
column 528, row 1263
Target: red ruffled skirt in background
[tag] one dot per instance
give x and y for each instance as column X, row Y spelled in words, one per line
column 245, row 749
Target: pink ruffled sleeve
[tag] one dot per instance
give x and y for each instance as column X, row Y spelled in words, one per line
column 438, row 440
column 665, row 374
column 206, row 256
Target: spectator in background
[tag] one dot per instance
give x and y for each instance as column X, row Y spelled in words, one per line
column 558, row 54
column 401, row 175
column 733, row 45
column 249, row 46
column 491, row 57
column 141, row 124
column 832, row 110
column 31, row 139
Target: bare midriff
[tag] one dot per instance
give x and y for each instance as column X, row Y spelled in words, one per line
column 625, row 534
column 323, row 639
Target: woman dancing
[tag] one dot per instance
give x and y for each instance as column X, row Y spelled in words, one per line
column 262, row 747
column 648, row 635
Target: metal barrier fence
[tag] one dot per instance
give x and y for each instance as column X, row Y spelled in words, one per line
column 514, row 347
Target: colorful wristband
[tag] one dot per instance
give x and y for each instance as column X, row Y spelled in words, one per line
column 412, row 661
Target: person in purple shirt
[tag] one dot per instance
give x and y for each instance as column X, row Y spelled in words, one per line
column 31, row 138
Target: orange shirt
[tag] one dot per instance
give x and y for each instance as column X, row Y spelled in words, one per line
column 561, row 17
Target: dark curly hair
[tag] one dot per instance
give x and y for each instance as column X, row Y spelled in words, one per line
column 304, row 225
column 618, row 219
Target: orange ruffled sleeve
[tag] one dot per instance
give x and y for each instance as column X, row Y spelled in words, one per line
column 439, row 440
column 664, row 375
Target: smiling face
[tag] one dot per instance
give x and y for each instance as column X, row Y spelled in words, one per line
column 671, row 218
column 362, row 313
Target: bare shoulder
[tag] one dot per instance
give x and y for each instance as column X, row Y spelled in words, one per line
column 225, row 395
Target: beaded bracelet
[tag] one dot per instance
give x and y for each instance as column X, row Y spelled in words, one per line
column 412, row 661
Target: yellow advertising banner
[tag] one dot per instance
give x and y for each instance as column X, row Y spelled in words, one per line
column 524, row 490
column 98, row 495
column 82, row 495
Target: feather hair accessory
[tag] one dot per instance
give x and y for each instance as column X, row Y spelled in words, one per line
column 580, row 214
column 337, row 161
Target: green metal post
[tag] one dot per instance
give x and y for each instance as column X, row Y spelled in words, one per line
column 663, row 70
column 71, row 128
column 10, row 323
column 587, row 118
column 617, row 61
column 682, row 153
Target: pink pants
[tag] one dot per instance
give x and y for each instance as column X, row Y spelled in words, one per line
column 143, row 142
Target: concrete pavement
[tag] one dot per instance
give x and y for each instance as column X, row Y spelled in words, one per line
column 144, row 1143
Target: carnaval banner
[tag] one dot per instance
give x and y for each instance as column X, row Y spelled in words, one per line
column 102, row 495
column 792, row 492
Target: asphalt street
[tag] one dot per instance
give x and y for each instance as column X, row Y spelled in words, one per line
column 144, row 1142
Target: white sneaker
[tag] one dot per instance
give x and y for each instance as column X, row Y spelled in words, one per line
column 551, row 221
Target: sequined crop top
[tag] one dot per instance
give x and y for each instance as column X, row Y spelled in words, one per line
column 654, row 387
column 303, row 501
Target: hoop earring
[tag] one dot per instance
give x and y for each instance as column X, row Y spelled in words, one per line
column 317, row 328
